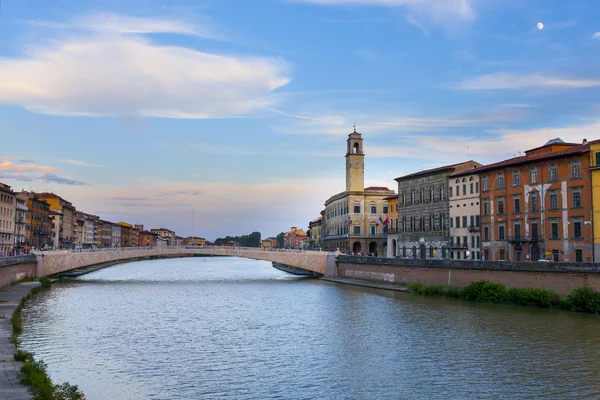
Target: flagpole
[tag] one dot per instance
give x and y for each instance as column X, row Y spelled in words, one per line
column 193, row 223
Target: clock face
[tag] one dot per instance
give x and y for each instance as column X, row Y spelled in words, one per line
column 356, row 164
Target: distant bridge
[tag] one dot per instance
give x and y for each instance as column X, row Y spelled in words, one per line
column 54, row 262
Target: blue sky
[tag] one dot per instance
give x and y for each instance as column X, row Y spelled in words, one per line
column 144, row 110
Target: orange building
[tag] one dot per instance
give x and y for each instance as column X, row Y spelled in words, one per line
column 538, row 206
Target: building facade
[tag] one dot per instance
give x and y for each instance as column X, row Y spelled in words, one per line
column 295, row 238
column 116, row 235
column 21, row 209
column 8, row 204
column 355, row 220
column 38, row 222
column 165, row 233
column 64, row 220
column 464, row 212
column 423, row 213
column 315, row 240
column 194, row 241
column 539, row 206
column 392, row 227
column 107, row 233
column 125, row 234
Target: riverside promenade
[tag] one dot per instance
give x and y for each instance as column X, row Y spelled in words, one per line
column 10, row 297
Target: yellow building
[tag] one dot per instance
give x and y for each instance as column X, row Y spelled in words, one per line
column 392, row 226
column 64, row 220
column 355, row 219
column 595, row 178
column 265, row 244
column 194, row 241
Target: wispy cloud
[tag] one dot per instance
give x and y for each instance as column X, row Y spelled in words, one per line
column 51, row 178
column 514, row 81
column 26, row 160
column 83, row 163
column 146, row 79
column 9, row 166
column 439, row 11
column 339, row 124
column 596, row 35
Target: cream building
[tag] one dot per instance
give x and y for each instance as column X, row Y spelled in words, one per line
column 463, row 190
column 354, row 219
column 7, row 219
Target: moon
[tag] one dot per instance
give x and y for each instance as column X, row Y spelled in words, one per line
column 540, row 26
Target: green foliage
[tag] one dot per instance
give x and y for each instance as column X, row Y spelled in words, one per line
column 21, row 355
column 281, row 240
column 484, row 292
column 452, row 292
column 34, row 374
column 16, row 321
column 46, row 282
column 251, row 240
column 532, row 297
column 415, row 287
column 584, row 299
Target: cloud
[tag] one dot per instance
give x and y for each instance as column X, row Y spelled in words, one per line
column 108, row 67
column 26, row 161
column 339, row 124
column 15, row 176
column 596, row 35
column 83, row 163
column 9, row 166
column 513, row 81
column 439, row 11
column 51, row 178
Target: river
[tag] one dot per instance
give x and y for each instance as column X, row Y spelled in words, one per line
column 230, row 328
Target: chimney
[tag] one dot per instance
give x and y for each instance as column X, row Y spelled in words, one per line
column 584, row 141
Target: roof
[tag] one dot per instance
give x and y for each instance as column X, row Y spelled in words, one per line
column 394, row 197
column 469, row 171
column 377, row 188
column 575, row 149
column 434, row 170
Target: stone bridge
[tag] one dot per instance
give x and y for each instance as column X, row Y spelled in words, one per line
column 54, row 262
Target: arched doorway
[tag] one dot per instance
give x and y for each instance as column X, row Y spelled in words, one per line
column 414, row 252
column 535, row 252
column 423, row 251
column 519, row 253
column 393, row 247
column 356, row 247
column 373, row 248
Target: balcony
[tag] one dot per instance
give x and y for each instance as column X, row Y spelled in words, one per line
column 525, row 239
column 474, row 228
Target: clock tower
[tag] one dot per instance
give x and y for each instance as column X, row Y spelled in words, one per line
column 355, row 163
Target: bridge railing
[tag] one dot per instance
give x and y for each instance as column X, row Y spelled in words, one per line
column 169, row 249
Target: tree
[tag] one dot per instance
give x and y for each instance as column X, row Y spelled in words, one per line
column 280, row 240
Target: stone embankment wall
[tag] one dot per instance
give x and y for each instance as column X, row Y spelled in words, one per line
column 14, row 269
column 561, row 278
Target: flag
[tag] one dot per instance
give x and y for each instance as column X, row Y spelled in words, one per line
column 377, row 223
column 381, row 219
column 387, row 220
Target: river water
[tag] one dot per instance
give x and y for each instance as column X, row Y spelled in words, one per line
column 229, row 328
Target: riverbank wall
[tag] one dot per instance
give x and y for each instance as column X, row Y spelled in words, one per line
column 560, row 278
column 14, row 269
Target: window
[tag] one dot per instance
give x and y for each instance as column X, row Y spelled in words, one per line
column 575, row 171
column 501, row 232
column 465, row 242
column 385, row 209
column 476, row 187
column 516, row 179
column 442, row 221
column 472, row 241
column 553, row 201
column 552, row 173
column 458, row 190
column 403, row 199
column 373, row 229
column 578, row 255
column 412, row 197
column 517, row 231
column 431, row 222
column 442, row 192
column 451, row 223
column 457, row 222
column 534, row 231
column 500, row 181
column 486, row 254
column 576, row 198
column 577, row 229
column 431, row 194
column 517, row 202
column 403, row 251
column 477, row 220
column 502, row 254
column 464, row 221
column 458, row 241
column 598, row 158
column 478, row 243
column 471, row 184
column 554, row 230
column 484, row 184
column 356, row 228
column 534, row 202
column 413, row 223
column 555, row 255
column 465, row 189
column 450, row 190
column 403, row 224
column 500, row 206
column 472, row 220
column 533, row 176
column 422, row 195
column 373, row 209
column 486, row 208
column 356, row 209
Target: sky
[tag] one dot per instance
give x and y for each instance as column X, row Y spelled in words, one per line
column 224, row 117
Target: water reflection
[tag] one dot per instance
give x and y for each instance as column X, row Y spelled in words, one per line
column 231, row 328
